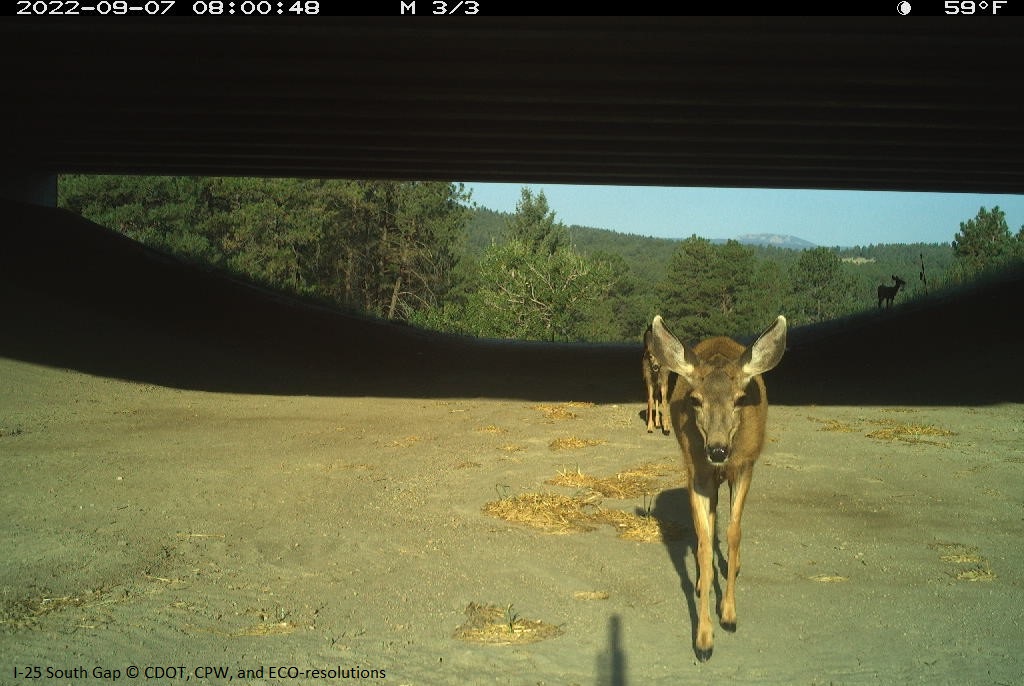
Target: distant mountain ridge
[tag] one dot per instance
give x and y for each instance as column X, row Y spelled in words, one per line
column 774, row 240
column 487, row 226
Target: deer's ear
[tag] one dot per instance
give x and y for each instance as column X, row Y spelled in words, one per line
column 767, row 350
column 669, row 351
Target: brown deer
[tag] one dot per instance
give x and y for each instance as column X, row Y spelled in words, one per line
column 887, row 293
column 718, row 410
column 656, row 380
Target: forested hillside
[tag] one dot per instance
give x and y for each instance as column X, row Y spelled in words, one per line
column 420, row 252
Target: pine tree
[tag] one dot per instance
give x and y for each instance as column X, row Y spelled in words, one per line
column 534, row 224
column 985, row 241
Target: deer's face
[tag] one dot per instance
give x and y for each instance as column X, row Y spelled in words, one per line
column 722, row 385
column 716, row 400
column 653, row 362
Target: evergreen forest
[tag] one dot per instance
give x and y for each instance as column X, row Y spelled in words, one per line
column 423, row 253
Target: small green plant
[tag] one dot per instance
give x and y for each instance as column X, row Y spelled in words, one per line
column 511, row 617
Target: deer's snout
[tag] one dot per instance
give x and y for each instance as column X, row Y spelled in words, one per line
column 718, row 453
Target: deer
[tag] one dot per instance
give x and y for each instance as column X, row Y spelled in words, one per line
column 718, row 410
column 656, row 381
column 887, row 293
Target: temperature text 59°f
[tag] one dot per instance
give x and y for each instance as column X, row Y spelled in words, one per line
column 972, row 7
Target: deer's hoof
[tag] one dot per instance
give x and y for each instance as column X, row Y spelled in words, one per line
column 703, row 654
column 729, row 626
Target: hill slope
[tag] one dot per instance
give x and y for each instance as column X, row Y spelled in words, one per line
column 80, row 296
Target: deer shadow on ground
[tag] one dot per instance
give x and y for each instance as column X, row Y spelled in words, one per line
column 672, row 512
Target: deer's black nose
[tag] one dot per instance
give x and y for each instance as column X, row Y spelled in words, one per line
column 718, row 453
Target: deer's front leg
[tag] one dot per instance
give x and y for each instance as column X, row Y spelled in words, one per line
column 663, row 384
column 651, row 410
column 739, row 497
column 701, row 500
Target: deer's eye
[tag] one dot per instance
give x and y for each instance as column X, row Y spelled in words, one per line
column 695, row 401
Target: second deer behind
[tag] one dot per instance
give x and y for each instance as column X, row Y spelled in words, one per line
column 656, row 381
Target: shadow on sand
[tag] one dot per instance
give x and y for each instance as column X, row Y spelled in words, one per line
column 673, row 505
column 611, row 664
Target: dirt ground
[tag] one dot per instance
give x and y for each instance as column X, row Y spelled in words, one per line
column 166, row 528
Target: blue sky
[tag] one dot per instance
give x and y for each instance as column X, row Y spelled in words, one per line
column 827, row 218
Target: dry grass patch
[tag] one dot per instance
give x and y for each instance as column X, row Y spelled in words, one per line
column 560, row 515
column 267, row 629
column 555, row 412
column 962, row 558
column 491, row 429
column 562, row 411
column 591, row 595
column 959, row 553
column 26, row 613
column 260, row 629
column 631, row 483
column 980, row 573
column 495, row 625
column 575, row 479
column 640, row 527
column 574, row 443
column 549, row 512
column 828, row 578
column 833, row 425
column 909, row 433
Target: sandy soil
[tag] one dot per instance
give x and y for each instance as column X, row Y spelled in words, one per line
column 151, row 526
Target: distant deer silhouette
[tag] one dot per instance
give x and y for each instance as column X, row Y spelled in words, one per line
column 887, row 293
